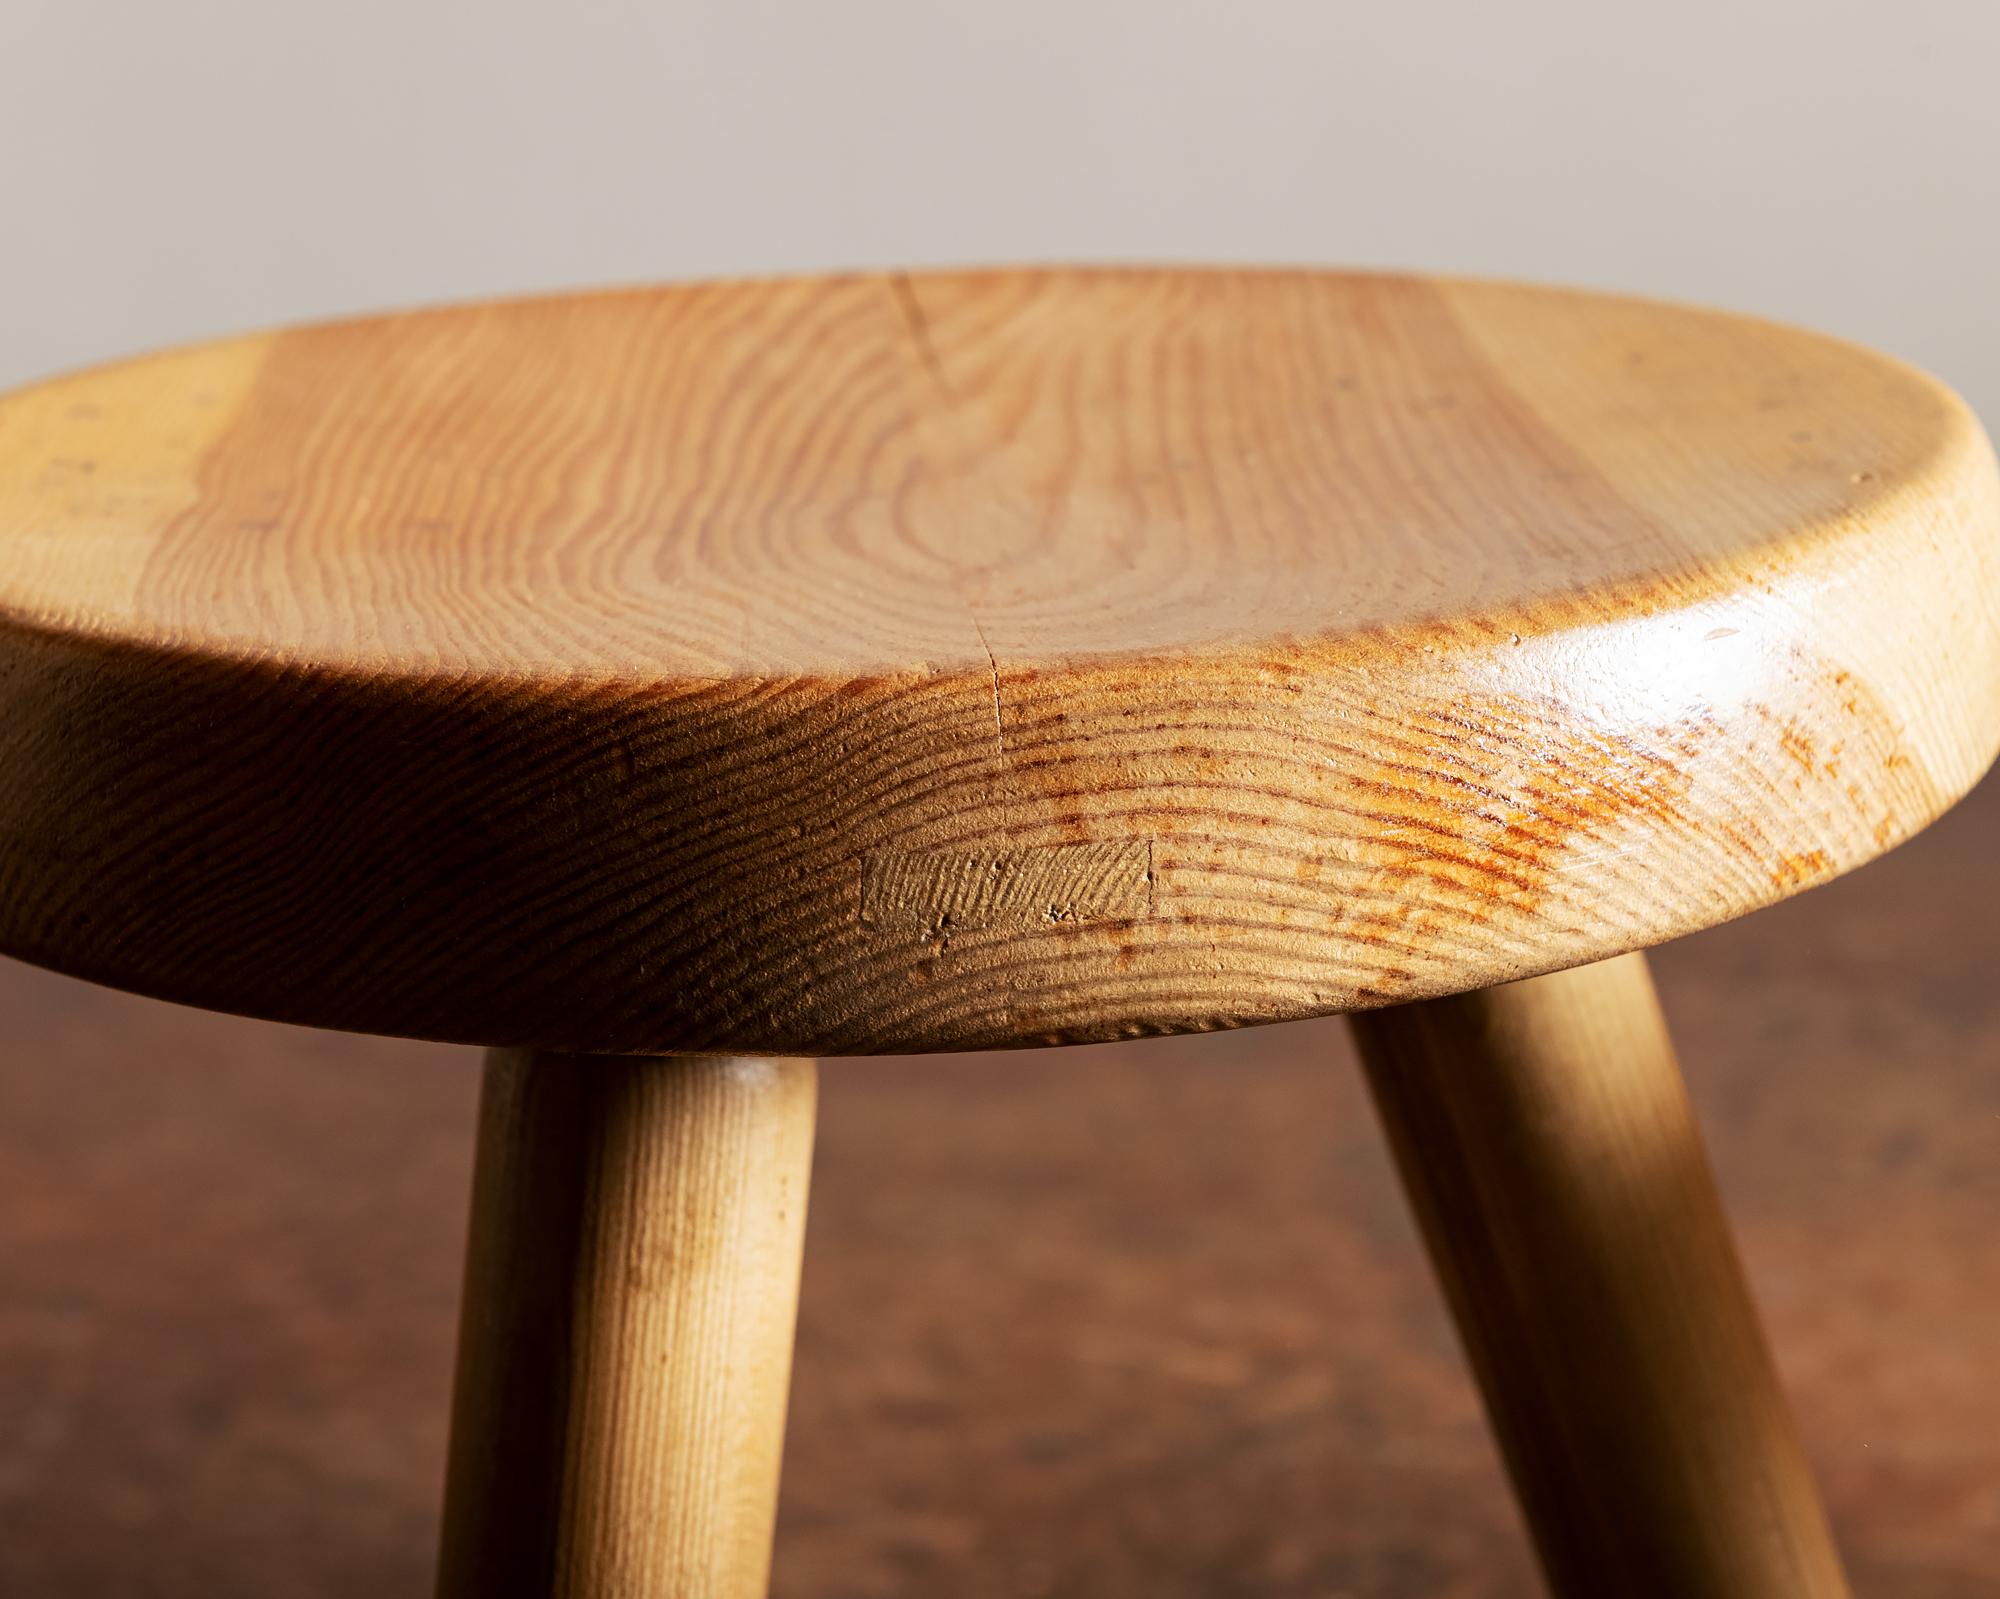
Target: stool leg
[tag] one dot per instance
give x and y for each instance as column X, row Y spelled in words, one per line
column 1553, row 1161
column 625, row 1344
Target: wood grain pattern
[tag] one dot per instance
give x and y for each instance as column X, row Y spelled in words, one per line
column 942, row 893
column 625, row 1348
column 1429, row 634
column 1545, row 1138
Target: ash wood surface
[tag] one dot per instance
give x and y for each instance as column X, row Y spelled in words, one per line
column 1169, row 650
column 625, row 1348
column 1547, row 1144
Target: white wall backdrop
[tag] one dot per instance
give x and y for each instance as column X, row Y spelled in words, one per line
column 174, row 170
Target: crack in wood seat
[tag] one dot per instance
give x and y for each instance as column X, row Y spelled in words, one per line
column 897, row 663
column 905, row 663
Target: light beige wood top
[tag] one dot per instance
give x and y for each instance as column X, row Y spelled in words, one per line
column 876, row 663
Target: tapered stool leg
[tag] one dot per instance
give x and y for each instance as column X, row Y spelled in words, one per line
column 625, row 1347
column 1549, row 1150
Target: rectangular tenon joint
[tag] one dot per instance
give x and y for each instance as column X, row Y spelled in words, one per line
column 1061, row 884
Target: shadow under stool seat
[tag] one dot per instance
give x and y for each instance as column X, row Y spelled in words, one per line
column 665, row 687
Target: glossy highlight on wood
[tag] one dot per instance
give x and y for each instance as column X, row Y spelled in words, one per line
column 1427, row 634
column 626, row 1341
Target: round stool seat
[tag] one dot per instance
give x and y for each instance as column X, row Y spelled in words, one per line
column 874, row 664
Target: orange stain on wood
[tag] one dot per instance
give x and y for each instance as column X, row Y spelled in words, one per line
column 1795, row 871
column 629, row 622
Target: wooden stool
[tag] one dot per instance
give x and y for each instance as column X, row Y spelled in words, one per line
column 728, row 673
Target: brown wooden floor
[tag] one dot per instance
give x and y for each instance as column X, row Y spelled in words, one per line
column 1138, row 1320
